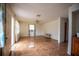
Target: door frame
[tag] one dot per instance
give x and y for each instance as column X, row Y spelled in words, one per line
column 65, row 32
column 29, row 30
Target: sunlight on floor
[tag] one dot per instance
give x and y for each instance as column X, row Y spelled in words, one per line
column 31, row 45
column 23, row 45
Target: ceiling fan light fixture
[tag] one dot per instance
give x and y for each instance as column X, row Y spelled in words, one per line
column 38, row 15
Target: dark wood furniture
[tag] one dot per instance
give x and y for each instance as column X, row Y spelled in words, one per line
column 0, row 51
column 75, row 46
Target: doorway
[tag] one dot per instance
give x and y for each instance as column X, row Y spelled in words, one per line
column 65, row 32
column 32, row 30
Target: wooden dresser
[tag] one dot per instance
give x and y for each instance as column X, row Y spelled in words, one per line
column 75, row 46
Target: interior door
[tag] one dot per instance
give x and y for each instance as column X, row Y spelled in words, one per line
column 32, row 30
column 65, row 31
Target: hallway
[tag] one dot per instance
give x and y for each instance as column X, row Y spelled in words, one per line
column 42, row 47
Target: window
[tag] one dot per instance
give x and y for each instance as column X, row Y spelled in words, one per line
column 17, row 27
column 12, row 31
column 31, row 27
column 17, row 30
column 1, row 29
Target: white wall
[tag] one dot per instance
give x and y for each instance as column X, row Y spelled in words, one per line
column 23, row 29
column 52, row 28
column 71, row 9
column 39, row 30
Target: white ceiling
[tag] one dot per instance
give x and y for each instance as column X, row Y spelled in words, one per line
column 48, row 11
